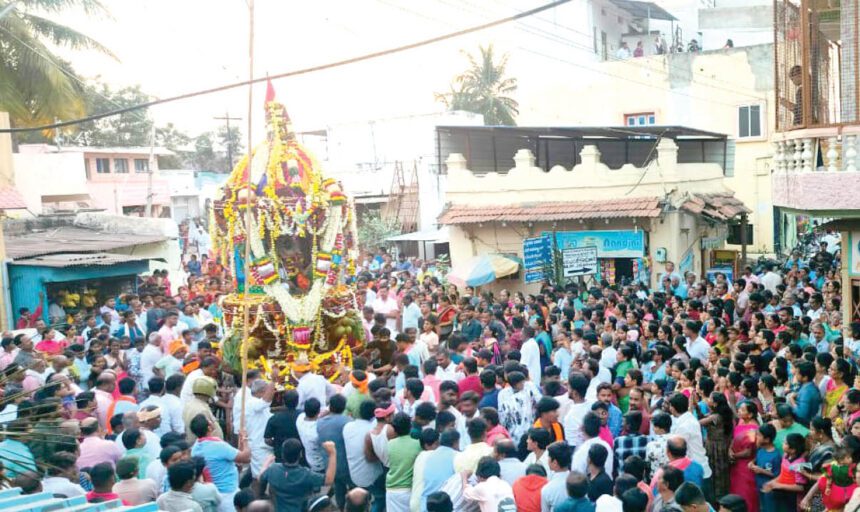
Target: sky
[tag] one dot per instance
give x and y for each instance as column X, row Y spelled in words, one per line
column 176, row 46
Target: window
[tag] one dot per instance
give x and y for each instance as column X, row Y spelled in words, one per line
column 734, row 237
column 120, row 165
column 141, row 165
column 749, row 121
column 640, row 119
column 103, row 165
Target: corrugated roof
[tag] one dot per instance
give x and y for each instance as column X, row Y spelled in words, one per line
column 716, row 206
column 552, row 211
column 64, row 238
column 76, row 260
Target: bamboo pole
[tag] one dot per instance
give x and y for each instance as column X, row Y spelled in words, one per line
column 248, row 230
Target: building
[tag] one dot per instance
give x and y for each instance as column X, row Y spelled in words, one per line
column 726, row 91
column 817, row 139
column 580, row 187
column 69, row 257
column 72, row 178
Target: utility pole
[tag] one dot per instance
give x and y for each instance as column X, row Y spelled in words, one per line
column 151, row 165
column 227, row 119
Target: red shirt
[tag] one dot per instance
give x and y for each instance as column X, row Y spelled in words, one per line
column 101, row 497
column 527, row 492
column 471, row 383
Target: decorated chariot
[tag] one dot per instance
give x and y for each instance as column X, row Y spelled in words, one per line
column 301, row 246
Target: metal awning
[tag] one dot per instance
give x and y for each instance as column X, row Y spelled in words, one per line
column 437, row 236
column 648, row 10
column 61, row 238
column 78, row 260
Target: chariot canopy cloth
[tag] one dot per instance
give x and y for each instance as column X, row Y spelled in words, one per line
column 484, row 269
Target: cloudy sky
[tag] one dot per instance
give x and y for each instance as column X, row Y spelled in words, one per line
column 176, row 46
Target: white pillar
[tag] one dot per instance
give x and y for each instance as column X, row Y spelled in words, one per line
column 832, row 154
column 849, row 152
column 806, row 156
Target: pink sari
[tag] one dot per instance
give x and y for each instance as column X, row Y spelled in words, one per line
column 742, row 480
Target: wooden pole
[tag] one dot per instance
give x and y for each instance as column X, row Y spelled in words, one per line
column 248, row 230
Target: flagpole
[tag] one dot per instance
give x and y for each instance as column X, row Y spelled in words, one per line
column 248, row 230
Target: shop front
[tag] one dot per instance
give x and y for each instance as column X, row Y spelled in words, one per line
column 74, row 282
column 620, row 253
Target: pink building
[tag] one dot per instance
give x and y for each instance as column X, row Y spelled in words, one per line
column 110, row 179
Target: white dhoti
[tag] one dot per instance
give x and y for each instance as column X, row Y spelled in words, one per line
column 397, row 500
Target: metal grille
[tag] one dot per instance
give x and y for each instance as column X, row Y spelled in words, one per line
column 816, row 63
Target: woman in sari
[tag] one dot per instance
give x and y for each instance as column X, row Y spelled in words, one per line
column 821, row 437
column 741, row 453
column 447, row 313
column 840, row 371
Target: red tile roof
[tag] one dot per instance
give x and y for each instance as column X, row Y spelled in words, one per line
column 10, row 199
column 716, row 206
column 552, row 211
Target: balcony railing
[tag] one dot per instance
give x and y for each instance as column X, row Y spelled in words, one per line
column 818, row 150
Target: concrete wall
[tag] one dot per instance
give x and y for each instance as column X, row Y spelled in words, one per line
column 702, row 91
column 39, row 175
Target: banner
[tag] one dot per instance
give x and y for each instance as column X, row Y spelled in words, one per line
column 537, row 259
column 609, row 244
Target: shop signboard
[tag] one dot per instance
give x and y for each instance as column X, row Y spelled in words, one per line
column 609, row 244
column 579, row 261
column 537, row 258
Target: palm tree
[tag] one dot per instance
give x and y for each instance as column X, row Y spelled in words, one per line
column 484, row 89
column 36, row 86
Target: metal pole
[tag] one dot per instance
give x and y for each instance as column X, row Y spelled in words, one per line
column 245, row 305
column 151, row 163
column 227, row 119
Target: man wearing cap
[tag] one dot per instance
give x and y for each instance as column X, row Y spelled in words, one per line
column 310, row 385
column 204, row 391
column 150, row 419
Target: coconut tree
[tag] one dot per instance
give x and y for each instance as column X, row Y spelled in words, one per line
column 484, row 89
column 36, row 85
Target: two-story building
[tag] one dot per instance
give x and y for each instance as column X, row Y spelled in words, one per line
column 817, row 144
column 115, row 180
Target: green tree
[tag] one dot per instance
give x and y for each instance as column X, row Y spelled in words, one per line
column 484, row 89
column 132, row 128
column 36, row 86
column 373, row 230
column 177, row 141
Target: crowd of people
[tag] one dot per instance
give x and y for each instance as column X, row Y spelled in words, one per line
column 692, row 396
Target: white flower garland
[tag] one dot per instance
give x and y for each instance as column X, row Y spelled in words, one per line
column 299, row 310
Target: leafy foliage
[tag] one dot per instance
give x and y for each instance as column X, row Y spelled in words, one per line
column 373, row 230
column 37, row 86
column 484, row 89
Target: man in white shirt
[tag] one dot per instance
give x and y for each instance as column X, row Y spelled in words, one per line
column 62, row 479
column 311, row 385
column 770, row 280
column 172, row 408
column 257, row 414
column 530, row 355
column 687, row 426
column 156, row 398
column 209, row 367
column 591, row 435
column 572, row 422
column 387, row 305
column 446, row 369
column 411, row 313
column 151, row 354
column 697, row 347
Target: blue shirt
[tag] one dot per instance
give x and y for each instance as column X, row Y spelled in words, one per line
column 769, row 460
column 574, row 505
column 563, row 359
column 438, row 469
column 490, row 399
column 808, row 403
column 544, row 338
column 221, row 461
column 615, row 420
column 17, row 458
column 330, row 428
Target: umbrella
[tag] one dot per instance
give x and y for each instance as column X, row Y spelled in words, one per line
column 483, row 269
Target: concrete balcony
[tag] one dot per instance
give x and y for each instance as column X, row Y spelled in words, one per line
column 816, row 171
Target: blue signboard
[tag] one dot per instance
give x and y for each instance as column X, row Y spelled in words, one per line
column 537, row 258
column 610, row 244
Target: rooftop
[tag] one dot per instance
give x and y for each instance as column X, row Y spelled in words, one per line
column 552, row 211
column 77, row 260
column 136, row 150
column 61, row 239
